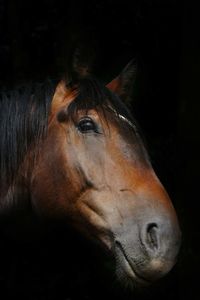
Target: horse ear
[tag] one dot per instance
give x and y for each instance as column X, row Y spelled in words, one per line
column 122, row 85
column 79, row 66
column 82, row 62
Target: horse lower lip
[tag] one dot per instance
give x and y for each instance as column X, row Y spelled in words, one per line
column 135, row 274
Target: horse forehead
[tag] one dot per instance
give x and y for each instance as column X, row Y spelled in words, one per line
column 63, row 96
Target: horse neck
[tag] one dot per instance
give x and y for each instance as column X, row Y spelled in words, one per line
column 15, row 196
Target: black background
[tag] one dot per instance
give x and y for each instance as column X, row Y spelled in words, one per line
column 37, row 39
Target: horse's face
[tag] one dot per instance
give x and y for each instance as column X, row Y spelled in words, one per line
column 93, row 170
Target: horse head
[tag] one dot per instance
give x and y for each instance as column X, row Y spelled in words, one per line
column 93, row 171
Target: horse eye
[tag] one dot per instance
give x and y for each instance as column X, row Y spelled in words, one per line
column 87, row 125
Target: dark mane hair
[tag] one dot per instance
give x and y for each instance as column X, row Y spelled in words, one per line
column 93, row 94
column 23, row 122
column 24, row 117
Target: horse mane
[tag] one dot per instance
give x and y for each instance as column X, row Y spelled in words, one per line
column 93, row 94
column 24, row 115
column 23, row 122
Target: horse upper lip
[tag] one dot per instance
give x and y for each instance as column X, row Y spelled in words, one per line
column 131, row 265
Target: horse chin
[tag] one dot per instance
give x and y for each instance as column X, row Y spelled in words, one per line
column 126, row 273
column 140, row 272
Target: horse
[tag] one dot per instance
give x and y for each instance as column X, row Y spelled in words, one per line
column 72, row 151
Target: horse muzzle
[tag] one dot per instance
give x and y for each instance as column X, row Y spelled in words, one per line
column 148, row 250
column 142, row 234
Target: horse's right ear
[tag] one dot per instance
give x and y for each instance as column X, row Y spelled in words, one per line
column 122, row 85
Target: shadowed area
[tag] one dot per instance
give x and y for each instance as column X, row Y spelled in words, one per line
column 36, row 41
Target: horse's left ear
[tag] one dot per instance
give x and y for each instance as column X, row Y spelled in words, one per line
column 122, row 85
column 82, row 62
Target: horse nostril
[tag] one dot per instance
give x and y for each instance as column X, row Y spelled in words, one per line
column 152, row 240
